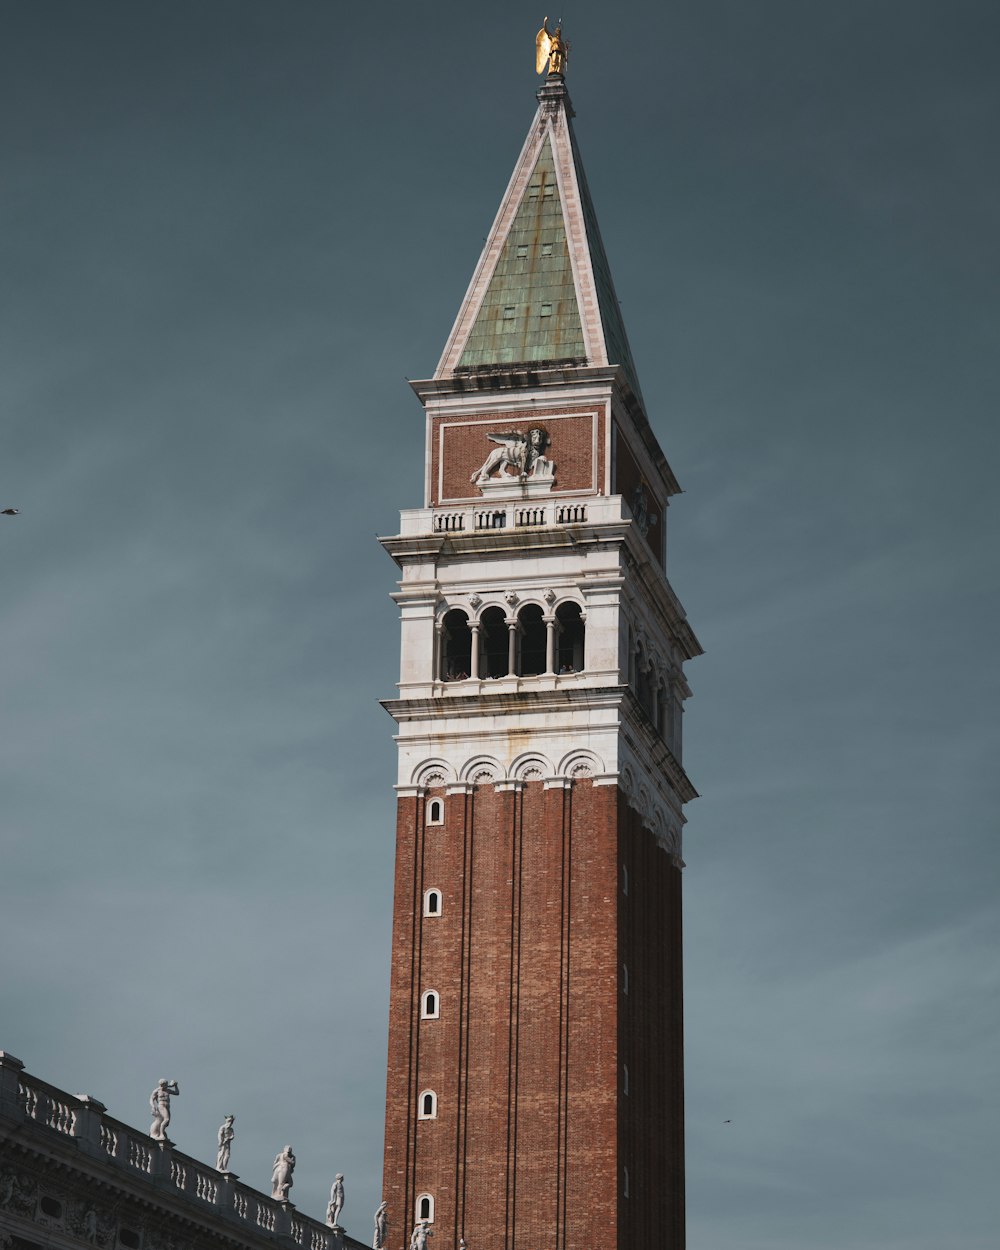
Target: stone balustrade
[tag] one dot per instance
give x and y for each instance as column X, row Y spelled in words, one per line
column 82, row 1123
column 513, row 514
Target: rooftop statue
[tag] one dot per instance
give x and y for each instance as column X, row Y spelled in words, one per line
column 226, row 1135
column 381, row 1227
column 550, row 46
column 336, row 1203
column 159, row 1106
column 281, row 1177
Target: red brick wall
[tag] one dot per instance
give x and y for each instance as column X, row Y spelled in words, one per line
column 466, row 448
column 651, row 1033
column 532, row 1128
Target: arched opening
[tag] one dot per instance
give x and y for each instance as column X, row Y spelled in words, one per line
column 571, row 631
column 432, row 903
column 456, row 646
column 493, row 643
column 425, row 1208
column 428, row 1107
column 663, row 712
column 643, row 682
column 532, row 641
column 429, row 1005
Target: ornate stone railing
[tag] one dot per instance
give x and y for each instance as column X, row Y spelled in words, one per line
column 514, row 514
column 82, row 1123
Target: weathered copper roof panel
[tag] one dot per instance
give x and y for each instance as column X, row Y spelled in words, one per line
column 530, row 311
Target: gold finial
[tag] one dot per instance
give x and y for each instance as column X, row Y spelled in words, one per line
column 550, row 46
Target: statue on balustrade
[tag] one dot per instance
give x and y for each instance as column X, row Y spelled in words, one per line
column 381, row 1227
column 336, row 1203
column 226, row 1135
column 159, row 1106
column 281, row 1177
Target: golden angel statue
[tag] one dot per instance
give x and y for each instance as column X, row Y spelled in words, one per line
column 550, row 46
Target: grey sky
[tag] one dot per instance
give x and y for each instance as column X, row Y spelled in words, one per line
column 228, row 231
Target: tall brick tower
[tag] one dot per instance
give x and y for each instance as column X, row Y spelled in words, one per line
column 535, row 1082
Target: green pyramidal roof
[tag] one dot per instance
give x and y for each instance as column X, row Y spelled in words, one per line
column 543, row 293
column 530, row 310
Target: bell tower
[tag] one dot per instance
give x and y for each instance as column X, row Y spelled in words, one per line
column 535, row 1078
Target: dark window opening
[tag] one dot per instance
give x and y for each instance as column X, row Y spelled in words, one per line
column 128, row 1238
column 456, row 646
column 433, row 903
column 425, row 1208
column 532, row 640
column 51, row 1207
column 493, row 642
column 571, row 634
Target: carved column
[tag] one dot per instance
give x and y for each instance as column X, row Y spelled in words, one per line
column 474, row 659
column 511, row 645
column 438, row 647
column 550, row 644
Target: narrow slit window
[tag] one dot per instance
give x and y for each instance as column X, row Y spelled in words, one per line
column 430, row 1005
column 432, row 903
column 428, row 1105
column 435, row 812
column 425, row 1208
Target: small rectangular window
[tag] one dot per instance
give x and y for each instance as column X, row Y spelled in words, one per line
column 522, row 251
column 533, row 191
column 550, row 190
column 509, row 312
column 545, row 311
column 546, row 249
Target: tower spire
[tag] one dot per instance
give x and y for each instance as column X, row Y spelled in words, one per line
column 542, row 293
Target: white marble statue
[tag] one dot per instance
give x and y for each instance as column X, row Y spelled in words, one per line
column 281, row 1176
column 381, row 1227
column 159, row 1106
column 418, row 1238
column 523, row 453
column 226, row 1135
column 336, row 1203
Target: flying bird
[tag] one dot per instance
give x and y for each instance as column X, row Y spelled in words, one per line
column 727, row 1121
column 10, row 512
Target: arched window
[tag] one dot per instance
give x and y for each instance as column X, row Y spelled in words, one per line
column 432, row 902
column 493, row 643
column 531, row 652
column 435, row 812
column 425, row 1208
column 430, row 1005
column 456, row 646
column 570, row 627
column 428, row 1106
